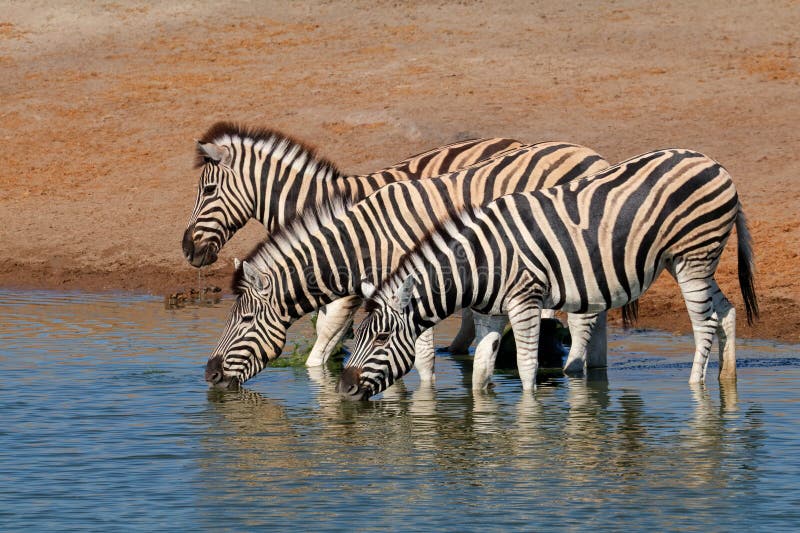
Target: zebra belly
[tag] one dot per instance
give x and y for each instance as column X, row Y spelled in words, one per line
column 592, row 299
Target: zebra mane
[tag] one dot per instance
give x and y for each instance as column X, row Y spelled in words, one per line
column 287, row 237
column 278, row 142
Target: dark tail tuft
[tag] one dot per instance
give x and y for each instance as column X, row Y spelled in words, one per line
column 630, row 314
column 747, row 282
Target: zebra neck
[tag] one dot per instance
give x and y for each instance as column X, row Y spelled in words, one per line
column 288, row 184
column 322, row 185
column 437, row 295
column 355, row 188
column 428, row 310
column 312, row 266
column 314, row 284
column 453, row 271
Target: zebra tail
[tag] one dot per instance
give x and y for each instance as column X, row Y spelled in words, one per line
column 630, row 314
column 746, row 266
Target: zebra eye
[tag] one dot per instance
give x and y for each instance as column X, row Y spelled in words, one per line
column 247, row 318
column 210, row 189
column 382, row 338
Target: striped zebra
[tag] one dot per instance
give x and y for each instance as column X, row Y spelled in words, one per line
column 267, row 176
column 323, row 255
column 582, row 247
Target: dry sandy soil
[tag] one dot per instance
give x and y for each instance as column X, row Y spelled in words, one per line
column 101, row 102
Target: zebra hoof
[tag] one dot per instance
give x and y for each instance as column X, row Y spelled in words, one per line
column 574, row 368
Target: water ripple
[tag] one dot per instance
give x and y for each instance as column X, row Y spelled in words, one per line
column 108, row 425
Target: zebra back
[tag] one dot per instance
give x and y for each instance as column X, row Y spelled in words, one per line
column 599, row 242
column 344, row 243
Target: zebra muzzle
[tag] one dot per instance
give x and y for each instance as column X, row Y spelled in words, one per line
column 198, row 253
column 215, row 375
column 349, row 385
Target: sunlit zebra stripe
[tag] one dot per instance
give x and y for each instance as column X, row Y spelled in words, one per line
column 272, row 178
column 584, row 247
column 324, row 254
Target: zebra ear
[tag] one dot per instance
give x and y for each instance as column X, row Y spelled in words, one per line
column 403, row 295
column 236, row 263
column 366, row 289
column 254, row 277
column 215, row 152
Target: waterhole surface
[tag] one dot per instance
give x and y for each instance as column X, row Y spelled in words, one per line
column 107, row 425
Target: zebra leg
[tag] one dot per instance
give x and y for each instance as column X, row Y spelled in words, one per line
column 597, row 350
column 338, row 316
column 465, row 335
column 697, row 286
column 489, row 330
column 726, row 334
column 483, row 363
column 581, row 329
column 525, row 318
column 424, row 356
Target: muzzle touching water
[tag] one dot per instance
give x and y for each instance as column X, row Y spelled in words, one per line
column 215, row 375
column 198, row 253
column 349, row 385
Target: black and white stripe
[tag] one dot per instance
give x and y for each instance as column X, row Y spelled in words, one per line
column 270, row 177
column 582, row 247
column 324, row 255
column 267, row 176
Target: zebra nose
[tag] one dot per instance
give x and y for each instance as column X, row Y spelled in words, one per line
column 214, row 373
column 198, row 253
column 349, row 386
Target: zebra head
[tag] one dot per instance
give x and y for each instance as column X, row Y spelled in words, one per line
column 384, row 343
column 255, row 333
column 221, row 207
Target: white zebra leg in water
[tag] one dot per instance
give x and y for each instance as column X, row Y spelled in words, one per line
column 332, row 323
column 465, row 335
column 582, row 330
column 597, row 350
column 424, row 355
column 726, row 335
column 489, row 331
column 525, row 318
column 698, row 288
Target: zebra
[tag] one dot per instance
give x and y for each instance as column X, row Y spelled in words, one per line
column 268, row 176
column 583, row 247
column 323, row 255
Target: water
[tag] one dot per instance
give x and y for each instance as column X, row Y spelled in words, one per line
column 107, row 425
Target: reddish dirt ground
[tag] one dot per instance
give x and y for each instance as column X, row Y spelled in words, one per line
column 101, row 102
